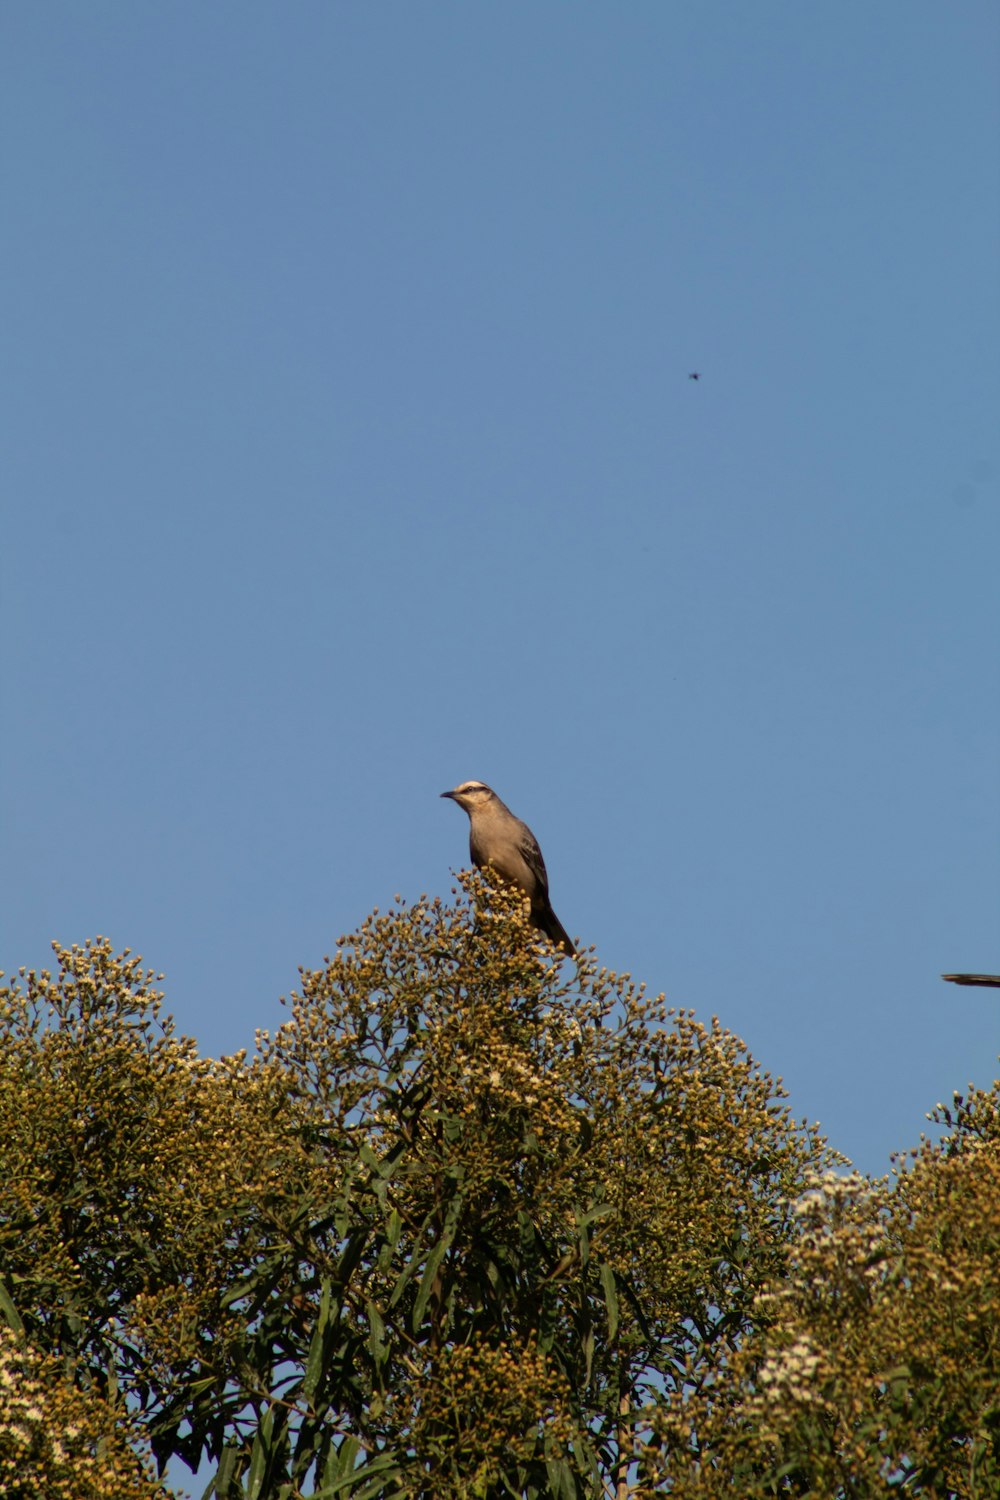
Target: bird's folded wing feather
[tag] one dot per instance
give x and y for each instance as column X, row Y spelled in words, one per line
column 532, row 856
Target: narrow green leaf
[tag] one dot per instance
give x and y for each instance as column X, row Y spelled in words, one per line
column 368, row 1480
column 260, row 1453
column 342, row 1461
column 369, row 1158
column 427, row 1279
column 314, row 1361
column 376, row 1334
column 11, row 1315
column 596, row 1211
column 610, row 1287
column 223, row 1474
column 413, row 1263
column 435, row 1258
column 560, row 1479
column 382, row 1166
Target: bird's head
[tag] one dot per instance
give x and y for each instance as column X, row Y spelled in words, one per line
column 471, row 795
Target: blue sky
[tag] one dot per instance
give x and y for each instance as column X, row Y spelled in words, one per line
column 350, row 451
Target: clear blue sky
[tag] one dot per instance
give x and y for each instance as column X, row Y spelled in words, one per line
column 349, row 451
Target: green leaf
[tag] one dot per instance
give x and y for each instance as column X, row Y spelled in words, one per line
column 314, row 1360
column 382, row 1166
column 588, row 1354
column 342, row 1461
column 426, row 1286
column 610, row 1287
column 414, row 1261
column 435, row 1258
column 260, row 1454
column 560, row 1479
column 596, row 1211
column 376, row 1334
column 10, row 1312
column 220, row 1485
column 363, row 1483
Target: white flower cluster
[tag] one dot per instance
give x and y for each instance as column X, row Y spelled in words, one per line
column 20, row 1417
column 790, row 1373
column 838, row 1221
column 828, row 1190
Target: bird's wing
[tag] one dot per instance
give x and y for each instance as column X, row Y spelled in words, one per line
column 532, row 856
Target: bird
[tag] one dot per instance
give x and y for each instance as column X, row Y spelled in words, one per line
column 695, row 375
column 500, row 840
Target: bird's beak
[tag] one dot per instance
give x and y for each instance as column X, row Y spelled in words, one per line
column 449, row 794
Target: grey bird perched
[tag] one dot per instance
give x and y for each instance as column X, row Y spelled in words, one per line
column 498, row 839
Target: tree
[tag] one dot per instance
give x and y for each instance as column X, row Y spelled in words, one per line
column 875, row 1365
column 59, row 1441
column 460, row 1227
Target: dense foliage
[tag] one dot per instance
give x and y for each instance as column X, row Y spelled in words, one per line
column 474, row 1221
column 874, row 1365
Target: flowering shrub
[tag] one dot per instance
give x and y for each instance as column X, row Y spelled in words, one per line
column 473, row 1222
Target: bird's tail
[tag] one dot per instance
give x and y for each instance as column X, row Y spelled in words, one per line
column 550, row 924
